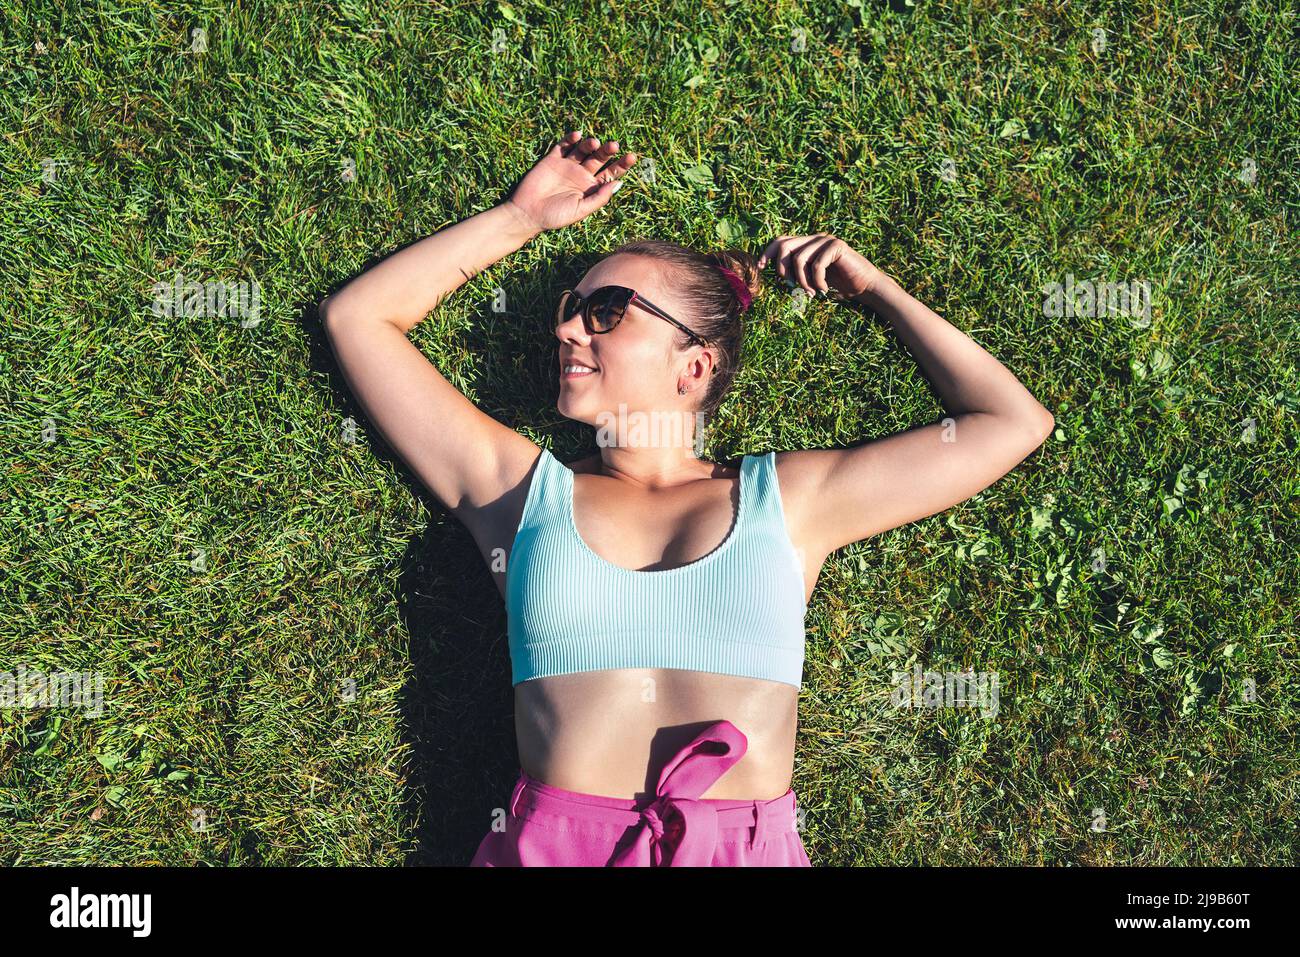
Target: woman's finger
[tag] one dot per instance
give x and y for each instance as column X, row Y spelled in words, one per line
column 814, row 267
column 832, row 254
column 600, row 157
column 612, row 164
column 799, row 263
column 562, row 145
column 615, row 167
column 787, row 266
column 770, row 252
column 593, row 153
column 823, row 260
column 776, row 250
column 579, row 149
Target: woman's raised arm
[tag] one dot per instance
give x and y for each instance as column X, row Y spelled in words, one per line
column 465, row 458
column 841, row 496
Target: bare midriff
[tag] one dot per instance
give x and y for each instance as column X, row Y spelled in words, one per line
column 611, row 732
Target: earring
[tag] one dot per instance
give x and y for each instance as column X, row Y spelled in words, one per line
column 681, row 390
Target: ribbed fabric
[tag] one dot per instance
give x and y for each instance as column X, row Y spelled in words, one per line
column 738, row 610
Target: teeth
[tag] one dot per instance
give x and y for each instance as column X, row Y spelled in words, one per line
column 578, row 369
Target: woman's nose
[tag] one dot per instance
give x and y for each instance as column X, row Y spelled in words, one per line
column 572, row 328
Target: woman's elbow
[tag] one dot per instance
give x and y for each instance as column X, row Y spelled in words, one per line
column 1041, row 426
column 331, row 311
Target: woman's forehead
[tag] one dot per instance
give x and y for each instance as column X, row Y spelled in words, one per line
column 635, row 272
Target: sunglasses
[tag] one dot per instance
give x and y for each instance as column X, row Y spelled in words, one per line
column 605, row 308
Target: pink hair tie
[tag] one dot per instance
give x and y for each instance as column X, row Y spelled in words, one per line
column 738, row 284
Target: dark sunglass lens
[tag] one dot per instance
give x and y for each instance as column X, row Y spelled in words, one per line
column 607, row 307
column 566, row 307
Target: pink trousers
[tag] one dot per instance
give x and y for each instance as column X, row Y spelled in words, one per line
column 547, row 826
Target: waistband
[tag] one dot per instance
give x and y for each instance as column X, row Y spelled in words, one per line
column 675, row 827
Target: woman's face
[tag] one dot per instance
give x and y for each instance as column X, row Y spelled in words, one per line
column 636, row 364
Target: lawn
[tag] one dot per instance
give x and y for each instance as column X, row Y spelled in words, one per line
column 302, row 655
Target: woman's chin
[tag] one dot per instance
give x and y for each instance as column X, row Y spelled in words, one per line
column 570, row 409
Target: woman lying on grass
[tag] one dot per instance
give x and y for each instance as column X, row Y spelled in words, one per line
column 656, row 607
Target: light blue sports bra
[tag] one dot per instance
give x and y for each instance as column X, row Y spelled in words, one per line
column 739, row 610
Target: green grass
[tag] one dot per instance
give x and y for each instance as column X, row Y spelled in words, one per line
column 324, row 562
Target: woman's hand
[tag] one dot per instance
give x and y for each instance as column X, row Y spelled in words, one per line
column 568, row 183
column 820, row 263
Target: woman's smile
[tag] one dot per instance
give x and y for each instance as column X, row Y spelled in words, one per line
column 576, row 371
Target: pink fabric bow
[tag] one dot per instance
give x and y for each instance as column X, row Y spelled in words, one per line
column 676, row 829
